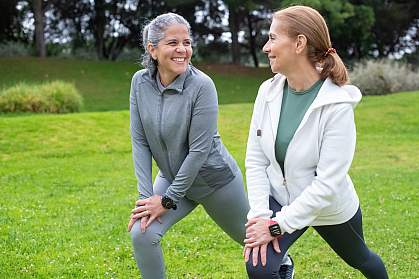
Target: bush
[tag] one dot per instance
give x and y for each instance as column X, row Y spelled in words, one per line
column 379, row 77
column 52, row 97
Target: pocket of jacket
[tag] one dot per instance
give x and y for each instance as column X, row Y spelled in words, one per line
column 216, row 171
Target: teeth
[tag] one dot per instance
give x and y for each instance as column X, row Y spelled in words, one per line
column 179, row 59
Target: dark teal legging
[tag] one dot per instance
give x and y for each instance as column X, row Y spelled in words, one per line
column 346, row 239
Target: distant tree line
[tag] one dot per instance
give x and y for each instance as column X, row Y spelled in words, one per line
column 239, row 28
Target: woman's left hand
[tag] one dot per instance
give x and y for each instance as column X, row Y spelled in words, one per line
column 257, row 238
column 150, row 207
column 257, row 232
column 262, row 249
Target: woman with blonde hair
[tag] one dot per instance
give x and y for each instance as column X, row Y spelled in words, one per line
column 300, row 147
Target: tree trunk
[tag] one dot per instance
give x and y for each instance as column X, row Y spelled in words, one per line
column 39, row 28
column 252, row 43
column 99, row 23
column 234, row 29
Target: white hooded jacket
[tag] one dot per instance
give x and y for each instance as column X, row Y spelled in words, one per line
column 317, row 189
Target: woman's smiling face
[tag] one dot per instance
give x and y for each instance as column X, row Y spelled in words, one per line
column 173, row 53
column 280, row 48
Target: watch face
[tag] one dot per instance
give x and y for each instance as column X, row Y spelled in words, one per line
column 275, row 230
column 168, row 203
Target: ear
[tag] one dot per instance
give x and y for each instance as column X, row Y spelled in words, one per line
column 301, row 43
column 152, row 50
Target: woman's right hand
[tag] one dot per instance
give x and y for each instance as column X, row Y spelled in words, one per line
column 147, row 210
column 143, row 222
column 260, row 249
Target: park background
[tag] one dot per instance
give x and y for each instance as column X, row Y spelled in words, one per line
column 66, row 179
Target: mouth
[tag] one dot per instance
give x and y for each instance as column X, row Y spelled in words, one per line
column 179, row 59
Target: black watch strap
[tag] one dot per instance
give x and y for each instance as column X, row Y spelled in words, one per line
column 168, row 203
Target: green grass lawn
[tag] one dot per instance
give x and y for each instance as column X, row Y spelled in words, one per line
column 67, row 188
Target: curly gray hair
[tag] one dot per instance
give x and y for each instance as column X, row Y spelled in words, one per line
column 153, row 32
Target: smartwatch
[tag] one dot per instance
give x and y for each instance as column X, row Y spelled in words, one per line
column 274, row 228
column 168, row 203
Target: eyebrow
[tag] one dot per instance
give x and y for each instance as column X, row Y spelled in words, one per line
column 175, row 40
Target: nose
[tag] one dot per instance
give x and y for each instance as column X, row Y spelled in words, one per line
column 267, row 47
column 180, row 49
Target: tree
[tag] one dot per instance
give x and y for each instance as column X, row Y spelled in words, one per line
column 393, row 20
column 39, row 28
column 8, row 19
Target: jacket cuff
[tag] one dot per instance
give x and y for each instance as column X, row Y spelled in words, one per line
column 280, row 219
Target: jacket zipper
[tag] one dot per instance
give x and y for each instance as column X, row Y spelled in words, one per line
column 163, row 144
column 284, row 182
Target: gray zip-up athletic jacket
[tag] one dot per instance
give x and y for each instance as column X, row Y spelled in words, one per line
column 178, row 128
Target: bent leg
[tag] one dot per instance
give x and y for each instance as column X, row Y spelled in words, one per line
column 347, row 240
column 147, row 249
column 274, row 260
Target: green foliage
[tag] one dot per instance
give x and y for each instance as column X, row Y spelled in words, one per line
column 68, row 186
column 51, row 97
column 378, row 77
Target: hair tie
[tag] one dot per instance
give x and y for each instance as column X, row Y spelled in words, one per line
column 329, row 50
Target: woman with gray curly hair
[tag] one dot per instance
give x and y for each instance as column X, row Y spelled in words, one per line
column 173, row 120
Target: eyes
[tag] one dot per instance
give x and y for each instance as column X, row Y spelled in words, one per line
column 174, row 43
column 272, row 37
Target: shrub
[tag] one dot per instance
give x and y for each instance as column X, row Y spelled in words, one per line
column 52, row 97
column 378, row 77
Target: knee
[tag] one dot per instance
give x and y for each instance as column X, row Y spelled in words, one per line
column 259, row 271
column 148, row 238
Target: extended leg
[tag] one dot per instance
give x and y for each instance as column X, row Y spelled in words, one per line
column 228, row 207
column 347, row 240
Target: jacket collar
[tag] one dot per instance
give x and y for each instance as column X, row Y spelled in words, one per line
column 179, row 82
column 329, row 93
column 176, row 85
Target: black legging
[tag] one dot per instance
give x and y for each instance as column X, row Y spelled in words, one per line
column 346, row 240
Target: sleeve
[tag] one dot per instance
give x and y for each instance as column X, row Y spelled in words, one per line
column 203, row 127
column 336, row 154
column 258, row 186
column 141, row 153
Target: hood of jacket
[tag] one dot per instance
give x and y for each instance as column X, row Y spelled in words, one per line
column 329, row 93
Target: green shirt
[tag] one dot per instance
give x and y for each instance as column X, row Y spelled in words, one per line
column 294, row 105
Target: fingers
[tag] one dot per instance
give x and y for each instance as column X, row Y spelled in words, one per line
column 255, row 255
column 275, row 244
column 143, row 223
column 250, row 242
column 139, row 209
column 141, row 202
column 251, row 222
column 131, row 223
column 246, row 252
column 150, row 220
column 141, row 214
column 263, row 254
